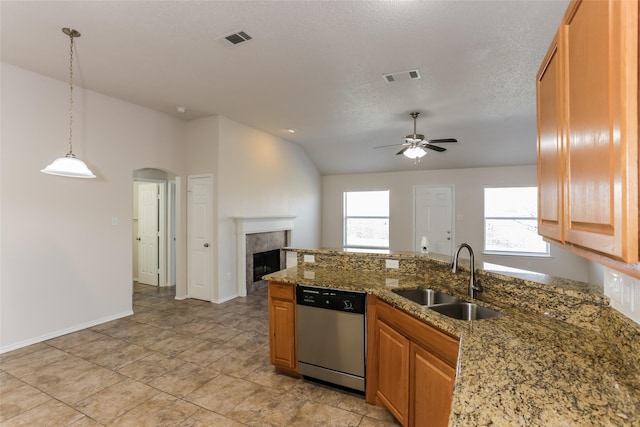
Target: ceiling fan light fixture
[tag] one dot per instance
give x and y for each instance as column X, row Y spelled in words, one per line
column 415, row 152
column 415, row 146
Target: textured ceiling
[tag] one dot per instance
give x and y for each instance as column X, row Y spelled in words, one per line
column 315, row 66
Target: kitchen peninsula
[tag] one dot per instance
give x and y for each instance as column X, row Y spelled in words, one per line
column 558, row 355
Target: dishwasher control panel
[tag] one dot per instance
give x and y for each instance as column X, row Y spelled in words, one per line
column 331, row 299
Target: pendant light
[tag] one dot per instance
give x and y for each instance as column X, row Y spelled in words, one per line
column 69, row 165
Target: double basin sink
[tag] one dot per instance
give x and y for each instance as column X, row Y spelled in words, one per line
column 447, row 305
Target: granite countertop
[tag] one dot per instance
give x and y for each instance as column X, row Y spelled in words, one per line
column 522, row 368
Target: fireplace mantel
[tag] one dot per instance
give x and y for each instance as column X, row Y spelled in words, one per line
column 250, row 225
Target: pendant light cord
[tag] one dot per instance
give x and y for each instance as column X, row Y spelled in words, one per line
column 70, row 96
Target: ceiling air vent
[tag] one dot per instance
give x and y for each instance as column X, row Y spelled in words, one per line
column 237, row 37
column 402, row 75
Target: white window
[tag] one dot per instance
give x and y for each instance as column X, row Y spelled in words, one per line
column 511, row 222
column 366, row 219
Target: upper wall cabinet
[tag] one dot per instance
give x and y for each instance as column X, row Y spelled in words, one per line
column 587, row 91
column 550, row 134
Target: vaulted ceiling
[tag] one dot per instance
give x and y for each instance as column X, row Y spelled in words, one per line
column 313, row 66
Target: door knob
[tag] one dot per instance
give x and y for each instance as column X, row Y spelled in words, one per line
column 138, row 239
column 206, row 245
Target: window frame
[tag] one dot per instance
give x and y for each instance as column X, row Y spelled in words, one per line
column 486, row 251
column 345, row 217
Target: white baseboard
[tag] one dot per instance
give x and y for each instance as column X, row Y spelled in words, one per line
column 215, row 301
column 220, row 301
column 62, row 332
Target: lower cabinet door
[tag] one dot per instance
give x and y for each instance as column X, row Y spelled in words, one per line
column 393, row 371
column 282, row 331
column 431, row 388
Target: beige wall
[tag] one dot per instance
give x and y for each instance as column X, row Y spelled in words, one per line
column 64, row 265
column 254, row 174
column 261, row 175
column 468, row 204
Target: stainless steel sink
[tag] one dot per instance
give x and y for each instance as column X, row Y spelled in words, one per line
column 426, row 296
column 465, row 311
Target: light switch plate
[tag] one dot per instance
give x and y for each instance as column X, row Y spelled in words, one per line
column 291, row 259
column 392, row 263
column 309, row 258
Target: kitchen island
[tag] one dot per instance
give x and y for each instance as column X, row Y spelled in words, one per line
column 558, row 355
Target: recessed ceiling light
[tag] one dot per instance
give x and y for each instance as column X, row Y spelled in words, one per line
column 181, row 109
column 291, row 130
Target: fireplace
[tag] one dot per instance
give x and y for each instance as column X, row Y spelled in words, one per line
column 265, row 263
column 255, row 235
column 264, row 256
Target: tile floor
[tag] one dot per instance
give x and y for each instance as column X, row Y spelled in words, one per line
column 172, row 363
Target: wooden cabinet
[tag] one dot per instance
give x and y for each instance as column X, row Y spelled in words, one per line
column 411, row 366
column 282, row 327
column 550, row 136
column 393, row 371
column 431, row 388
column 587, row 91
column 600, row 41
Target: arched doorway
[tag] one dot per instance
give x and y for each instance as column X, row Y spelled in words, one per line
column 154, row 227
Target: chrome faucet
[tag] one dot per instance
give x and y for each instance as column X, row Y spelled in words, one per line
column 473, row 286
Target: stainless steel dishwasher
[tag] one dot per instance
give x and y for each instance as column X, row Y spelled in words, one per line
column 331, row 335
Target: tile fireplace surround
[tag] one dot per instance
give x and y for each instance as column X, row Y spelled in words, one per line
column 263, row 242
column 253, row 225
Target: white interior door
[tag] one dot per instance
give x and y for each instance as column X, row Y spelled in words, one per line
column 434, row 218
column 148, row 260
column 199, row 230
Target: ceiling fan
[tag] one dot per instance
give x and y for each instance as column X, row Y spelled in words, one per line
column 414, row 145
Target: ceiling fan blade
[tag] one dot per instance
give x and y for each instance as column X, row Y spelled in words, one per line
column 443, row 140
column 434, row 148
column 403, row 150
column 390, row 145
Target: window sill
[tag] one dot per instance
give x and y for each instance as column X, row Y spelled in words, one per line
column 367, row 250
column 517, row 254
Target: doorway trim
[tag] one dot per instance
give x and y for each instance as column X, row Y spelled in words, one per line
column 172, row 218
column 165, row 250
